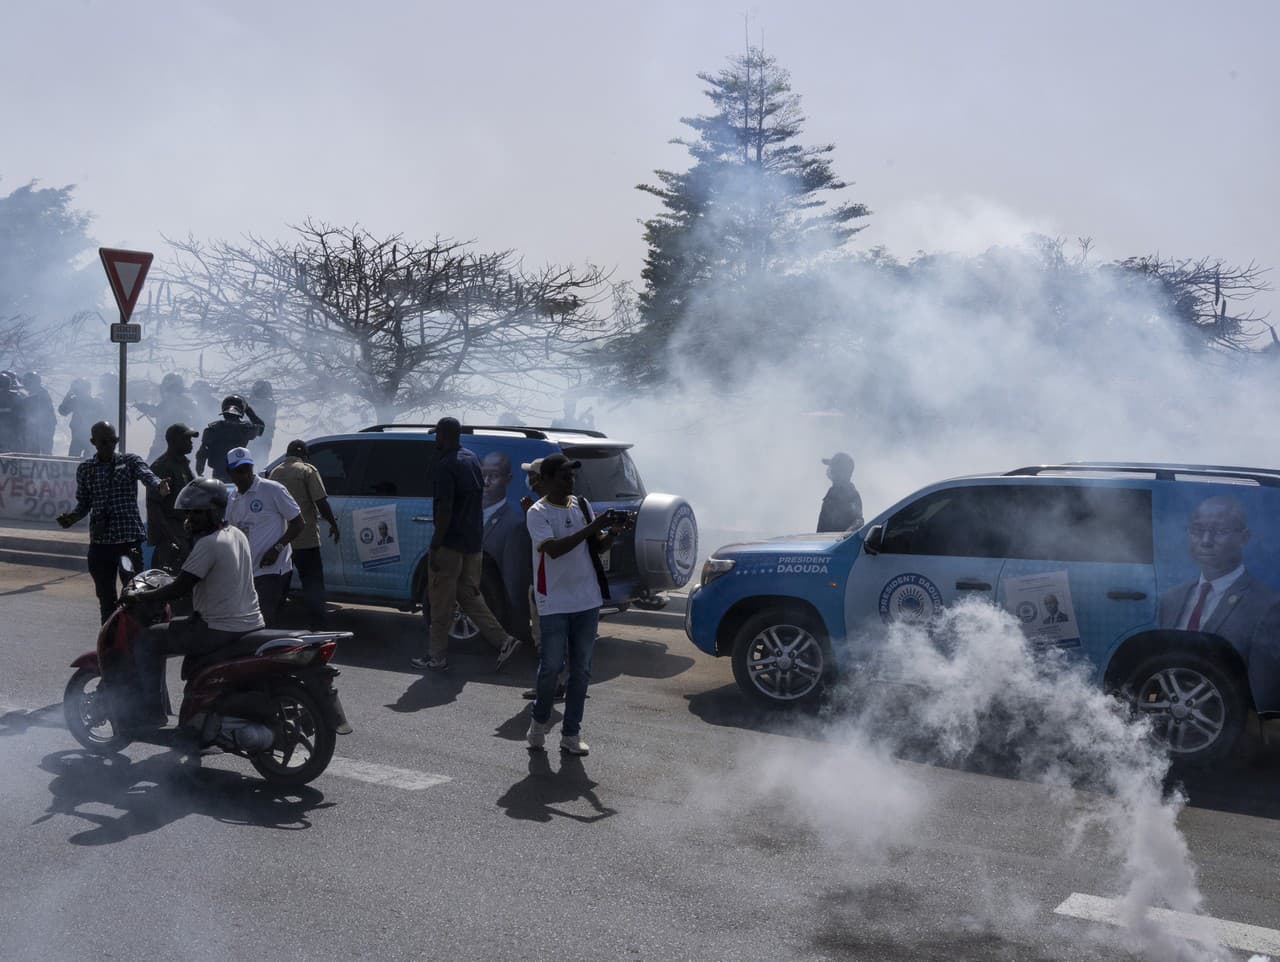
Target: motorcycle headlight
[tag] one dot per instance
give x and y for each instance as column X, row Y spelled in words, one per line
column 713, row 568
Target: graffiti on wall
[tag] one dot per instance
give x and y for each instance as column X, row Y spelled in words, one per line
column 35, row 488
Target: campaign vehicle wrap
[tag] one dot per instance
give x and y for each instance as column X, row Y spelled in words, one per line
column 1163, row 579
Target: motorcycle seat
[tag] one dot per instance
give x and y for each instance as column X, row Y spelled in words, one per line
column 243, row 646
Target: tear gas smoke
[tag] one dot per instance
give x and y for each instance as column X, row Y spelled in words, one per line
column 967, row 690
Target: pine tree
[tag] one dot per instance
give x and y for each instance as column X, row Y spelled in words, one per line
column 754, row 207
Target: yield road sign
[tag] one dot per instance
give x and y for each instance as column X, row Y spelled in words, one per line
column 126, row 333
column 126, row 270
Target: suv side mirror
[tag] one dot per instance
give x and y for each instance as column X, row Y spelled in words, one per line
column 875, row 537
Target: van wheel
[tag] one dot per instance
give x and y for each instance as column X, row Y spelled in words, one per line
column 1196, row 707
column 781, row 658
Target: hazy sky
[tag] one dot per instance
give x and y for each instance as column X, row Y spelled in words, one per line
column 1148, row 125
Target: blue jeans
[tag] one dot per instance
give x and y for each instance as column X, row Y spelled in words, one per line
column 570, row 637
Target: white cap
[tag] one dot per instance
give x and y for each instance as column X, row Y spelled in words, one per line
column 238, row 456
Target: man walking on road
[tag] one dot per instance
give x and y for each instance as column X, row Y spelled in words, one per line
column 165, row 529
column 455, row 559
column 303, row 482
column 569, row 587
column 270, row 519
column 107, row 491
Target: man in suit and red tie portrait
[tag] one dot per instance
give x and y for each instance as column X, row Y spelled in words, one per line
column 1226, row 599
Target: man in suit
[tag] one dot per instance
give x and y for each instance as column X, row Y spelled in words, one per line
column 384, row 534
column 1226, row 599
column 506, row 539
column 1053, row 616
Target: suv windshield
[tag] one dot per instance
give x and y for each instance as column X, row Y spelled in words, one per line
column 607, row 474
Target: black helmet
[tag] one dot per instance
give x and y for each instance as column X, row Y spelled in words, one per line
column 233, row 400
column 172, row 382
column 203, row 494
column 261, row 389
column 8, row 381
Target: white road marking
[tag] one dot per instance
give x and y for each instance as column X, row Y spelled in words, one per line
column 1236, row 935
column 376, row 774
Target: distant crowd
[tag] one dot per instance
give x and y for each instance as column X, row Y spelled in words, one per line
column 29, row 420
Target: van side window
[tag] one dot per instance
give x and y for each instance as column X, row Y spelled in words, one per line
column 336, row 462
column 968, row 522
column 399, row 469
column 1083, row 523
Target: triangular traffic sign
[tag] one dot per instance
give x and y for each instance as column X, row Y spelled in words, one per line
column 126, row 271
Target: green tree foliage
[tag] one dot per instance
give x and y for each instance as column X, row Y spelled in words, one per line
column 752, row 213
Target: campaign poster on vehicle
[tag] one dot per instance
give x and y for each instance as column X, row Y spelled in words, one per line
column 1042, row 604
column 377, row 540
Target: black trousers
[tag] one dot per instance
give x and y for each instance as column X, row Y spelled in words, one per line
column 104, row 567
column 181, row 636
column 309, row 569
column 270, row 589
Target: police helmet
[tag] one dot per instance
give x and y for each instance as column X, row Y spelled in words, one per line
column 203, row 494
column 172, row 382
column 233, row 401
column 261, row 389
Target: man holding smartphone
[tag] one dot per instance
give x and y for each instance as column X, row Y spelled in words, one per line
column 569, row 588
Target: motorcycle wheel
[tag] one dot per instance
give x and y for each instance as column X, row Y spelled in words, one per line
column 300, row 728
column 84, row 707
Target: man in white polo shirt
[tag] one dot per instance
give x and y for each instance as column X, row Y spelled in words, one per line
column 568, row 587
column 270, row 518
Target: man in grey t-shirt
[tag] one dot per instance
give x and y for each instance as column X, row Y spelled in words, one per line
column 218, row 574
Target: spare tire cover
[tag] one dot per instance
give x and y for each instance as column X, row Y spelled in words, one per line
column 666, row 542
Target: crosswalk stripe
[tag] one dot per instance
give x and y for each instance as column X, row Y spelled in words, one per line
column 1236, row 935
column 375, row 774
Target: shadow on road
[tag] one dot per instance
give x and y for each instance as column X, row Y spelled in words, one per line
column 19, row 722
column 545, row 794
column 36, row 586
column 158, row 791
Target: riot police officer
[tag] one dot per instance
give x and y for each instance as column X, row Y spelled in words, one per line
column 238, row 426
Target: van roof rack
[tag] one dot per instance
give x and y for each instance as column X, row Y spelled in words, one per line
column 1162, row 471
column 537, row 434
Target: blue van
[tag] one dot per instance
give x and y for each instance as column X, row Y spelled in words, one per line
column 379, row 486
column 1165, row 578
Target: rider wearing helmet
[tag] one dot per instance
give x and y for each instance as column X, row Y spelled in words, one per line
column 218, row 574
column 238, row 426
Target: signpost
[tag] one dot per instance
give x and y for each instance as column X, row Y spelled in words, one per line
column 126, row 272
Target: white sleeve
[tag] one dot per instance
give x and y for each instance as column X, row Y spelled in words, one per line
column 200, row 560
column 539, row 525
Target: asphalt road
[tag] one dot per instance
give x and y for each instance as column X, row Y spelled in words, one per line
column 696, row 829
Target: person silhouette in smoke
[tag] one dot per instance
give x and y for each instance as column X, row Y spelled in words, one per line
column 842, row 505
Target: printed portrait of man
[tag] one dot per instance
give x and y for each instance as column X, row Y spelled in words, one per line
column 384, row 534
column 506, row 538
column 1226, row 599
column 1052, row 615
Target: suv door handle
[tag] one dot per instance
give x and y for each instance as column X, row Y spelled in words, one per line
column 972, row 586
column 423, row 519
column 1126, row 595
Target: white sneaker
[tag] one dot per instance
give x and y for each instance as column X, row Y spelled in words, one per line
column 538, row 733
column 573, row 744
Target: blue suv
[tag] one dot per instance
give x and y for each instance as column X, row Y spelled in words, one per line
column 379, row 486
column 1164, row 578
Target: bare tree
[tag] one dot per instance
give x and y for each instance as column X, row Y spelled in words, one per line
column 406, row 326
column 1204, row 294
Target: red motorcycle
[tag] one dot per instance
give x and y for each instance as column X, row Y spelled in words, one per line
column 269, row 696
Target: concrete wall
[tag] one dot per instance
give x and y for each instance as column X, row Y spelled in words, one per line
column 35, row 488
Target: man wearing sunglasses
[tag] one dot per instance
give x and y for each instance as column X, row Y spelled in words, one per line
column 107, row 491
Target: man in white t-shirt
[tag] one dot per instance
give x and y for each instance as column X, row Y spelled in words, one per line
column 218, row 574
column 568, row 588
column 269, row 517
